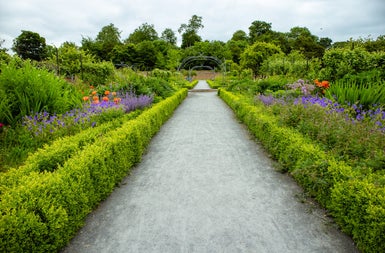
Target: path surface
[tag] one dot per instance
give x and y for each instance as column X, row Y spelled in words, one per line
column 205, row 186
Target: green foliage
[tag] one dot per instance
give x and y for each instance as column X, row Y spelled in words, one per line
column 169, row 36
column 353, row 195
column 258, row 29
column 53, row 155
column 145, row 32
column 341, row 61
column 190, row 31
column 357, row 144
column 43, row 212
column 294, row 64
column 366, row 88
column 251, row 87
column 362, row 204
column 101, row 47
column 30, row 45
column 97, row 73
column 254, row 55
column 25, row 89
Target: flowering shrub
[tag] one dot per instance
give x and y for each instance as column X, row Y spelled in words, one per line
column 92, row 113
column 338, row 162
column 350, row 133
column 302, row 86
column 305, row 88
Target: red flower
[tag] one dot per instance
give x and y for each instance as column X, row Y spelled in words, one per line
column 325, row 84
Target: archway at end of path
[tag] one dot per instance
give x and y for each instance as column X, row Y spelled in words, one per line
column 200, row 62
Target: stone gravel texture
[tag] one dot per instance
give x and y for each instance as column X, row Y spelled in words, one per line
column 205, row 185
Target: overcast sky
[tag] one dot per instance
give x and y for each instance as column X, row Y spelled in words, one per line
column 59, row 21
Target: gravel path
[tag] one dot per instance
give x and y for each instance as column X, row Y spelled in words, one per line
column 206, row 186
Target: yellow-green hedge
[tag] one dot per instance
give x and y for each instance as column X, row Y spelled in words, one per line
column 43, row 211
column 356, row 201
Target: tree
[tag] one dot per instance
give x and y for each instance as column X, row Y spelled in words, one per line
column 254, row 55
column 257, row 29
column 30, row 45
column 169, row 36
column 301, row 39
column 190, row 31
column 124, row 54
column 236, row 48
column 107, row 39
column 145, row 32
column 146, row 55
column 4, row 56
column 239, row 36
column 325, row 42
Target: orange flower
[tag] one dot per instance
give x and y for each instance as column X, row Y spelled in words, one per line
column 325, row 84
column 113, row 93
column 107, row 92
column 92, row 87
column 96, row 101
column 117, row 100
column 95, row 98
column 105, row 99
column 94, row 93
column 86, row 98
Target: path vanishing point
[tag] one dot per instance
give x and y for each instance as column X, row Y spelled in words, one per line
column 205, row 185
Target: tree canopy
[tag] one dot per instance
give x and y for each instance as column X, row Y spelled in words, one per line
column 30, row 45
column 190, row 31
column 144, row 49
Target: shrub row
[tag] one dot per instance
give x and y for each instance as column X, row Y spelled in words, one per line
column 51, row 156
column 191, row 85
column 46, row 209
column 356, row 201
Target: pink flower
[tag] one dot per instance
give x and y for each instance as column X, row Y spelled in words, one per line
column 2, row 125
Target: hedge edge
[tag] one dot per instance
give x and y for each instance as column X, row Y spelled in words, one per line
column 356, row 201
column 44, row 213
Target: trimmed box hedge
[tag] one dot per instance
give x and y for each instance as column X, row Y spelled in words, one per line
column 355, row 200
column 43, row 211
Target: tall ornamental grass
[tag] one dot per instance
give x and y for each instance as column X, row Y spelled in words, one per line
column 25, row 89
column 347, row 91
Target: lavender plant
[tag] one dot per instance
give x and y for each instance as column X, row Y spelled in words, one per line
column 349, row 132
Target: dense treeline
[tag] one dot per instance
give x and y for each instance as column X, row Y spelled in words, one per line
column 146, row 49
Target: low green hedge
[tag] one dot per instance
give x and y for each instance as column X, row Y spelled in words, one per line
column 355, row 200
column 44, row 211
column 50, row 157
column 213, row 85
column 191, row 85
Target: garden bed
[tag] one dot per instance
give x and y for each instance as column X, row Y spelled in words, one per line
column 354, row 197
column 43, row 209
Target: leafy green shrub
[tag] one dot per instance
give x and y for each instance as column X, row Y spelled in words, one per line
column 25, row 90
column 52, row 156
column 355, row 197
column 295, row 65
column 42, row 213
column 97, row 73
column 359, row 207
column 339, row 62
